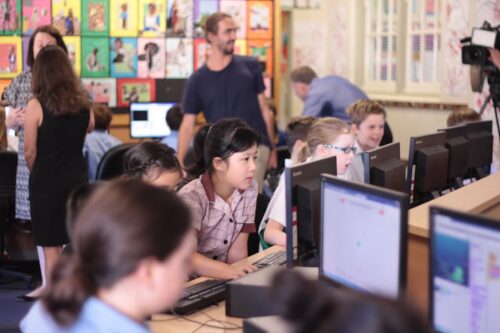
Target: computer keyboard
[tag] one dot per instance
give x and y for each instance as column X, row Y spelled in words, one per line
column 208, row 292
column 200, row 295
column 275, row 258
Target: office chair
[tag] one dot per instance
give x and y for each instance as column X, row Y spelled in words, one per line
column 8, row 165
column 260, row 210
column 111, row 164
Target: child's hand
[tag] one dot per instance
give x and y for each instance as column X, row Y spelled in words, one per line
column 239, row 271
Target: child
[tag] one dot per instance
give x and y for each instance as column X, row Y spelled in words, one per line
column 326, row 137
column 99, row 141
column 462, row 115
column 174, row 120
column 154, row 163
column 222, row 197
column 367, row 123
column 131, row 260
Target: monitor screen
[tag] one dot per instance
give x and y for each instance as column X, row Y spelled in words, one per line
column 147, row 120
column 363, row 237
column 464, row 273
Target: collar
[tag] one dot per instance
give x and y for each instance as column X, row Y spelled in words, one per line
column 359, row 150
column 206, row 181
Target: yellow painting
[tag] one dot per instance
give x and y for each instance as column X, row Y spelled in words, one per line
column 152, row 21
column 11, row 61
column 74, row 52
column 123, row 20
column 67, row 16
column 240, row 47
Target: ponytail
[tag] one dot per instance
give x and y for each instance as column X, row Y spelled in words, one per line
column 198, row 166
column 70, row 286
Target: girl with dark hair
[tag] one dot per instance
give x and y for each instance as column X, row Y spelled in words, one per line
column 129, row 262
column 154, row 163
column 17, row 95
column 222, row 196
column 57, row 120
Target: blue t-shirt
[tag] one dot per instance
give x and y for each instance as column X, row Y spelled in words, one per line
column 231, row 92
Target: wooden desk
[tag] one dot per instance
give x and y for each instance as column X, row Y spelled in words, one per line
column 481, row 197
column 162, row 323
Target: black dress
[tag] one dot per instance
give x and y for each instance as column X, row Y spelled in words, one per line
column 58, row 169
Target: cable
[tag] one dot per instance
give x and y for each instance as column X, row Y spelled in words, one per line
column 223, row 325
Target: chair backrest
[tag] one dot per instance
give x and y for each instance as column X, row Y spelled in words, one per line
column 253, row 239
column 111, row 164
column 8, row 166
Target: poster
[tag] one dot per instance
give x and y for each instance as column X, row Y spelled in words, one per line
column 180, row 18
column 35, row 14
column 66, row 16
column 101, row 90
column 135, row 90
column 123, row 18
column 203, row 9
column 151, row 57
column 179, row 58
column 10, row 17
column 11, row 63
column 238, row 11
column 259, row 20
column 123, row 57
column 152, row 18
column 201, row 52
column 263, row 51
column 95, row 18
column 95, row 57
column 74, row 52
column 240, row 47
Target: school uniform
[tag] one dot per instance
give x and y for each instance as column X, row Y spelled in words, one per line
column 356, row 170
column 217, row 223
column 276, row 210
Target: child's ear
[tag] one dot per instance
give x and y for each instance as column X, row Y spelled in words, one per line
column 219, row 164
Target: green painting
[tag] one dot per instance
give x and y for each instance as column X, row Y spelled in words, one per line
column 95, row 18
column 95, row 57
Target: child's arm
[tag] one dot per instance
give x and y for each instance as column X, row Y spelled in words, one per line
column 273, row 234
column 239, row 249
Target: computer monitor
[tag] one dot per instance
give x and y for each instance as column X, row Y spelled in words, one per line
column 479, row 134
column 363, row 237
column 464, row 272
column 384, row 168
column 458, row 148
column 427, row 167
column 302, row 186
column 147, row 120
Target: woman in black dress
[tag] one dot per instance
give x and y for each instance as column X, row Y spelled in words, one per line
column 57, row 120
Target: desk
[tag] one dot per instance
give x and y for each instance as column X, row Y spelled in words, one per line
column 481, row 197
column 162, row 323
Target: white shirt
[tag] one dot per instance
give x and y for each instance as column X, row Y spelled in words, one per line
column 356, row 171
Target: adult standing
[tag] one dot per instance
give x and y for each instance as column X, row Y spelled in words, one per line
column 328, row 96
column 57, row 119
column 17, row 95
column 228, row 85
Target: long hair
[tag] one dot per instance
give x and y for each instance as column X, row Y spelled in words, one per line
column 222, row 139
column 121, row 224
column 324, row 131
column 55, row 83
column 50, row 30
column 3, row 131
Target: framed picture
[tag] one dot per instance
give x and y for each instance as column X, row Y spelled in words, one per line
column 35, row 14
column 263, row 51
column 179, row 58
column 151, row 57
column 203, row 9
column 10, row 17
column 238, row 11
column 66, row 16
column 135, row 90
column 201, row 52
column 11, row 63
column 123, row 18
column 95, row 57
column 74, row 52
column 152, row 18
column 179, row 18
column 123, row 57
column 95, row 18
column 260, row 18
column 240, row 47
column 101, row 90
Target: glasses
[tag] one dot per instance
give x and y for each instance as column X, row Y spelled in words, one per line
column 345, row 150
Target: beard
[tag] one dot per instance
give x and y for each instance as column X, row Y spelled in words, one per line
column 228, row 49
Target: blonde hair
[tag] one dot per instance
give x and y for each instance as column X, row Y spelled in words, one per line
column 360, row 110
column 462, row 114
column 324, row 131
column 3, row 130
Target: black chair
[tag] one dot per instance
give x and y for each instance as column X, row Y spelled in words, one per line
column 8, row 165
column 111, row 164
column 260, row 210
